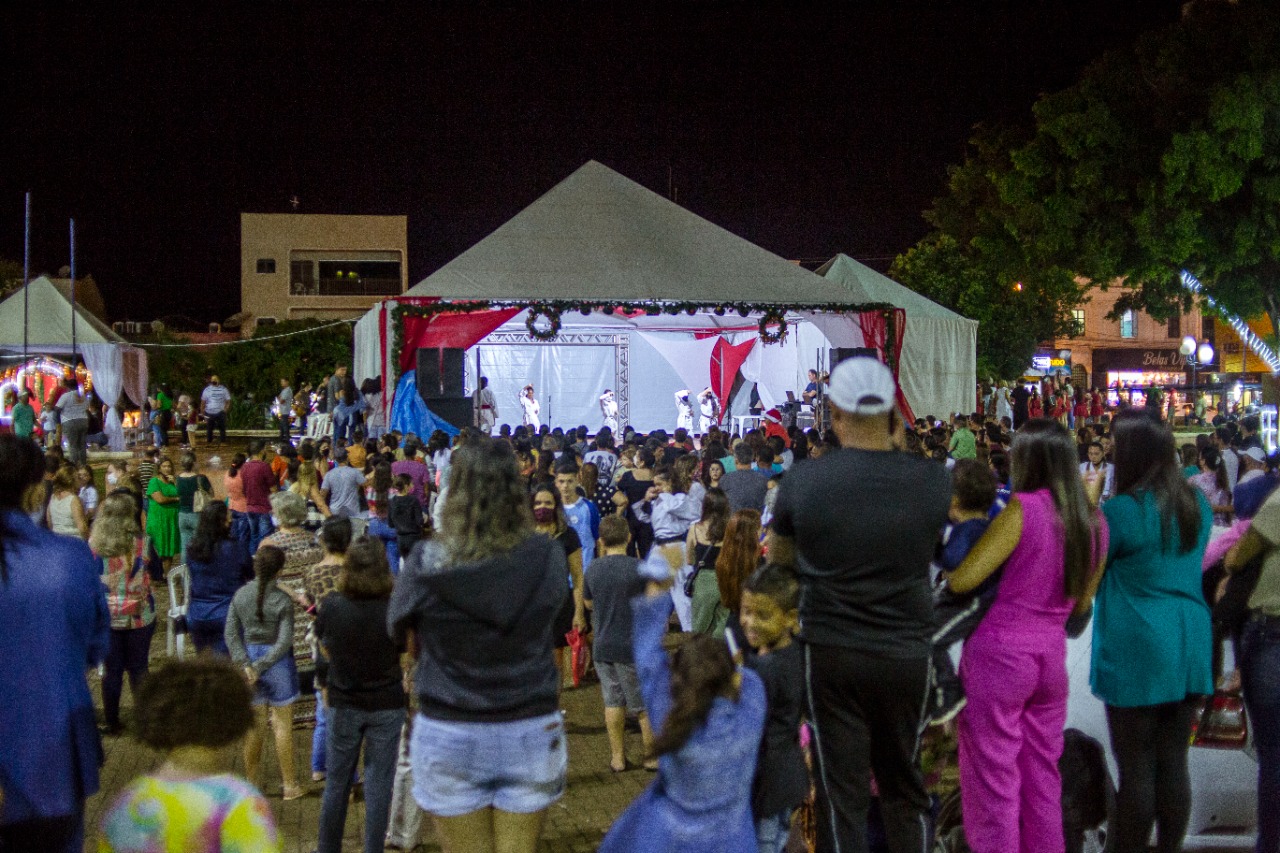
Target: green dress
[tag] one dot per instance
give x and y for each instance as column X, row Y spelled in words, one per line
column 1152, row 641
column 162, row 519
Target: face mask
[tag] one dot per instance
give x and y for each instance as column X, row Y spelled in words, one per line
column 275, row 521
column 112, row 479
column 544, row 515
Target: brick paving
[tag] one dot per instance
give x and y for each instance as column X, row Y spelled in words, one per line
column 576, row 824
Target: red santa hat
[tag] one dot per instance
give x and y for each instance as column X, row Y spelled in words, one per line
column 773, row 416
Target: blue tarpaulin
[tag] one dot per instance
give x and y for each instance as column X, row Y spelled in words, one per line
column 410, row 415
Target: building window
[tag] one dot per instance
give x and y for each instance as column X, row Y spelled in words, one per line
column 358, row 278
column 1077, row 322
column 1206, row 328
column 1175, row 326
column 1129, row 324
column 302, row 278
column 266, row 266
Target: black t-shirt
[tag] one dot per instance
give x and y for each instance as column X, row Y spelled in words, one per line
column 865, row 524
column 1020, row 397
column 782, row 779
column 610, row 585
column 364, row 663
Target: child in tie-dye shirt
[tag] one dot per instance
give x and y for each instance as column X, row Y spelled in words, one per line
column 196, row 712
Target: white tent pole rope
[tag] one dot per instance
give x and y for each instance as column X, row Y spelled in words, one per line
column 248, row 340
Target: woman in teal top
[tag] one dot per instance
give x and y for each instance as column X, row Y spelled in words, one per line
column 1152, row 641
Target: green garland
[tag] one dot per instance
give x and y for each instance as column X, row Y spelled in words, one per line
column 774, row 313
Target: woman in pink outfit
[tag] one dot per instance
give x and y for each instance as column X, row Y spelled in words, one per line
column 1014, row 667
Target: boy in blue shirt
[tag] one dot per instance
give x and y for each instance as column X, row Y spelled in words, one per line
column 956, row 616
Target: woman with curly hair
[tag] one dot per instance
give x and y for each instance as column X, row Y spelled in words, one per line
column 129, row 566
column 488, row 745
column 708, row 713
column 191, row 711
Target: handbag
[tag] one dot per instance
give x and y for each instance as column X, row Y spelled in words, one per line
column 693, row 576
column 200, row 499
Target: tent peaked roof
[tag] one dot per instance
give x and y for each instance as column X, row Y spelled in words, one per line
column 49, row 319
column 864, row 284
column 599, row 235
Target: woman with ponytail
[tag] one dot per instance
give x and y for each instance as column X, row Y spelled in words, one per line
column 708, row 715
column 260, row 637
column 1051, row 544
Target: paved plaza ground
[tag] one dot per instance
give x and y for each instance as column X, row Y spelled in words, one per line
column 574, row 825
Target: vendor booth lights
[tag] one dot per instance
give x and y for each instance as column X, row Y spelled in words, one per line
column 40, row 376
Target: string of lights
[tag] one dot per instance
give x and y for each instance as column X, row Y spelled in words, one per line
column 1247, row 335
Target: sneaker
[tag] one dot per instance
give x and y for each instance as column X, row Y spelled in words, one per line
column 948, row 700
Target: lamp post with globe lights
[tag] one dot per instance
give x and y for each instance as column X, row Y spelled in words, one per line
column 1198, row 354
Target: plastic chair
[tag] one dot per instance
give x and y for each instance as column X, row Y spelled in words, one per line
column 176, row 642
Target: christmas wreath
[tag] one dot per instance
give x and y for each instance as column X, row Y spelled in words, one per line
column 773, row 317
column 553, row 323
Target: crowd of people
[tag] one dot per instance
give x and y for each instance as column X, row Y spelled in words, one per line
column 773, row 612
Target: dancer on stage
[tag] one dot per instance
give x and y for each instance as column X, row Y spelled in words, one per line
column 709, row 406
column 609, row 408
column 684, row 410
column 486, row 406
column 531, row 409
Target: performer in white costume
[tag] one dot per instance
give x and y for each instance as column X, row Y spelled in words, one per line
column 684, row 410
column 485, row 406
column 531, row 409
column 709, row 407
column 609, row 409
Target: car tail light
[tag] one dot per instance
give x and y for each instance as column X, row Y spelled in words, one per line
column 1220, row 723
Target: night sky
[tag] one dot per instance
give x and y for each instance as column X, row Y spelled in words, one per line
column 809, row 132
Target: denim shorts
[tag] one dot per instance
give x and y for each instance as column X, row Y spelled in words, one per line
column 620, row 685
column 278, row 686
column 459, row 768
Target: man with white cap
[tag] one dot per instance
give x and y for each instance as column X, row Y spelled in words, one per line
column 1254, row 486
column 859, row 525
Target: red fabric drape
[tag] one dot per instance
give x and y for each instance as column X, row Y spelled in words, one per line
column 457, row 331
column 875, row 332
column 726, row 361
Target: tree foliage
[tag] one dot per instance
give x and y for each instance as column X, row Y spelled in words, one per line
column 1164, row 156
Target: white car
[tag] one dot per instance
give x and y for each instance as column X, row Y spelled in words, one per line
column 1222, row 762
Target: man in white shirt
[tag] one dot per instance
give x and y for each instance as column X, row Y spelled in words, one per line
column 73, row 411
column 486, row 407
column 709, row 408
column 284, row 408
column 214, row 402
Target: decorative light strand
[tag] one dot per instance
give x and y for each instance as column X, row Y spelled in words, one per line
column 1241, row 328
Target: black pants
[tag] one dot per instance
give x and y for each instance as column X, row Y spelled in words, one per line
column 220, row 421
column 63, row 834
column 129, row 652
column 285, row 423
column 865, row 712
column 1150, row 745
column 955, row 617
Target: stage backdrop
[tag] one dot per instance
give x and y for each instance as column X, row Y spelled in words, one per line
column 567, row 380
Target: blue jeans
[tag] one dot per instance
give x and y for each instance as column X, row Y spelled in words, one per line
column 240, row 527
column 259, row 524
column 341, row 424
column 772, row 832
column 187, row 524
column 1260, row 676
column 320, row 736
column 380, row 732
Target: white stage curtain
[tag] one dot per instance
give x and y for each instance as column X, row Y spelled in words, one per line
column 135, row 375
column 689, row 358
column 939, row 368
column 839, row 330
column 779, row 368
column 567, row 380
column 106, row 364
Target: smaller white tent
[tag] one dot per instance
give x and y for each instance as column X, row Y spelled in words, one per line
column 119, row 369
column 939, row 374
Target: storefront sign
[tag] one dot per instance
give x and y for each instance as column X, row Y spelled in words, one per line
column 1150, row 360
column 1045, row 363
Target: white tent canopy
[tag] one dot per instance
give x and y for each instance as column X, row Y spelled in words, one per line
column 939, row 348
column 600, row 236
column 118, row 368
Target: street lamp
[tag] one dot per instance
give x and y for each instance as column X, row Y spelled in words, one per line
column 1198, row 354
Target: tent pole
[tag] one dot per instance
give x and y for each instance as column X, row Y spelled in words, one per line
column 73, row 295
column 26, row 271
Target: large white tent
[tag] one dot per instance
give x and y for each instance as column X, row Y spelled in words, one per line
column 44, row 309
column 599, row 236
column 939, row 348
